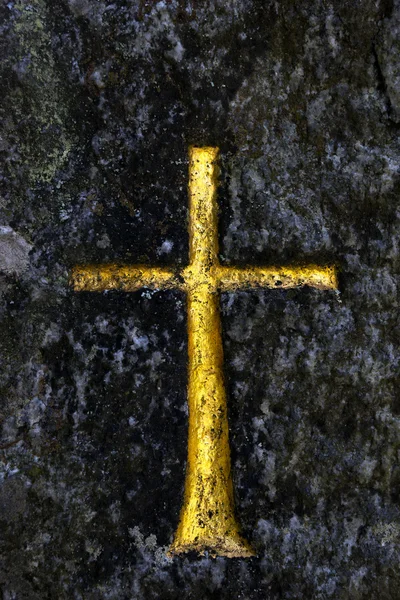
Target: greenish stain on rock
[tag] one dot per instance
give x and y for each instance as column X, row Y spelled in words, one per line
column 40, row 111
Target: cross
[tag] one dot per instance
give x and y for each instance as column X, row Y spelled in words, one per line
column 207, row 520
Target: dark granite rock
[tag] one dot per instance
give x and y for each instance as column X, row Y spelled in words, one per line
column 100, row 103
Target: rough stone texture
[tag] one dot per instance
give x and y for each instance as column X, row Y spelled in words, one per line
column 100, row 102
column 14, row 252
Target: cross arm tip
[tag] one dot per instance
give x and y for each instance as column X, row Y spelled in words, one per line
column 203, row 153
column 320, row 277
column 126, row 278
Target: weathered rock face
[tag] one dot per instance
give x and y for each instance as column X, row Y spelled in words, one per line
column 100, row 103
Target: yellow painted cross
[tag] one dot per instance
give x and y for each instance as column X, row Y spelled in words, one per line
column 207, row 520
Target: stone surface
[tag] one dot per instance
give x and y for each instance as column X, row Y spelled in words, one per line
column 14, row 252
column 100, row 102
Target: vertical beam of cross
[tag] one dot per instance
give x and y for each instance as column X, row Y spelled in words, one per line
column 207, row 519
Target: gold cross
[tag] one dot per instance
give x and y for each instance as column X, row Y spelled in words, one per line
column 207, row 520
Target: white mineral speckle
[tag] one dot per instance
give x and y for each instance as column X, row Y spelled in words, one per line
column 165, row 247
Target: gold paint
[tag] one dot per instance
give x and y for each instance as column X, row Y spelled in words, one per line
column 208, row 516
column 323, row 278
column 125, row 278
column 207, row 520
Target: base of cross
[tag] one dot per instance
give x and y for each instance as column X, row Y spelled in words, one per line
column 231, row 546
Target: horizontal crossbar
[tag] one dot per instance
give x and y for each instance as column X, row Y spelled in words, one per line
column 131, row 278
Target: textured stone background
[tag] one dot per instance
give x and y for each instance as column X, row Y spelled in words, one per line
column 100, row 102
